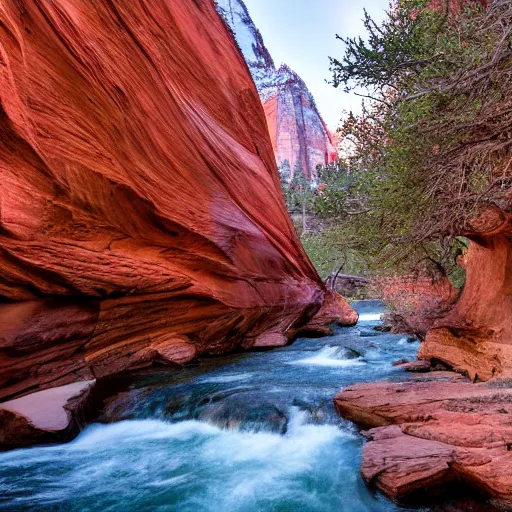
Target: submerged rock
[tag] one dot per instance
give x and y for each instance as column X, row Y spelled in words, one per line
column 369, row 333
column 245, row 412
column 225, row 405
column 427, row 437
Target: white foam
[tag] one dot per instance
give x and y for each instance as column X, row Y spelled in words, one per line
column 131, row 431
column 148, row 461
column 370, row 317
column 331, row 356
column 292, row 451
column 227, row 378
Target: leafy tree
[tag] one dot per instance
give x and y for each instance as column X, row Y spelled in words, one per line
column 302, row 193
column 433, row 145
column 341, row 192
column 285, row 177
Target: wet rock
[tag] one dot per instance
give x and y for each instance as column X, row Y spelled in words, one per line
column 335, row 310
column 245, row 413
column 382, row 328
column 367, row 333
column 49, row 416
column 224, row 405
column 426, row 435
column 420, row 366
column 349, row 353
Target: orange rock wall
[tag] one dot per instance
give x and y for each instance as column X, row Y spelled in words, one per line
column 476, row 335
column 297, row 131
column 141, row 217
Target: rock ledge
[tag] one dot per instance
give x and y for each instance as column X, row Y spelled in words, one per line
column 49, row 416
column 429, row 437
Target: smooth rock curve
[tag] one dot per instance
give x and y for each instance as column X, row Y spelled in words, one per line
column 141, row 216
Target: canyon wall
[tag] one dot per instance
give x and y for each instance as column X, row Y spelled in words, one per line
column 141, row 216
column 298, row 133
column 476, row 335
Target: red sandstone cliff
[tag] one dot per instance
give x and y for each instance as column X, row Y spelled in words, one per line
column 476, row 335
column 141, row 217
column 297, row 130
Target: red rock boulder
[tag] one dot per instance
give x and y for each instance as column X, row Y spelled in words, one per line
column 476, row 335
column 431, row 437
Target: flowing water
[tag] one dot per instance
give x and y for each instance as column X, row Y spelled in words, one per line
column 243, row 433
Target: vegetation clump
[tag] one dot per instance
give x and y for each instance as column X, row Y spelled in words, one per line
column 432, row 147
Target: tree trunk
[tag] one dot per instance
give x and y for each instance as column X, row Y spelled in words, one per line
column 304, row 217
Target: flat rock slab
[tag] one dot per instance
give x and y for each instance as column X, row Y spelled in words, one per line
column 51, row 415
column 426, row 437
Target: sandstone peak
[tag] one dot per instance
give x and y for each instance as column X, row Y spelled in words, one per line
column 299, row 134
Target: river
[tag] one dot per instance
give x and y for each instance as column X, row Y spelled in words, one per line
column 247, row 432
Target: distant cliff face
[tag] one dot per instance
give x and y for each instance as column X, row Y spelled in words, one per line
column 297, row 130
column 141, row 216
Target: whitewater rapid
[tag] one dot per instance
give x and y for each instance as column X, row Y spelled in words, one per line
column 253, row 432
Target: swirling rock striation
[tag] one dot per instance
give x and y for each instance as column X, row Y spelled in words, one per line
column 141, row 217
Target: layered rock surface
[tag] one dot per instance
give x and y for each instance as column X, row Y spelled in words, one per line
column 476, row 334
column 141, row 216
column 433, row 436
column 298, row 133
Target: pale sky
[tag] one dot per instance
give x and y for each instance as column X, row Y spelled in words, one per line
column 302, row 34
